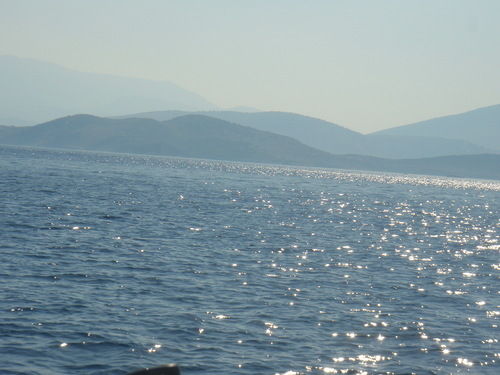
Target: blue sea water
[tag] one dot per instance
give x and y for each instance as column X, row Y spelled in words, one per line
column 111, row 263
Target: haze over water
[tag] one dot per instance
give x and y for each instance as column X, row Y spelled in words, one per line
column 114, row 262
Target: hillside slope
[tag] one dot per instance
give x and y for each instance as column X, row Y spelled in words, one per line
column 480, row 126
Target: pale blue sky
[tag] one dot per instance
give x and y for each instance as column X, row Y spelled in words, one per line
column 363, row 64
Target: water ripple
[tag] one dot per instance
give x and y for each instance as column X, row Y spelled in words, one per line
column 111, row 263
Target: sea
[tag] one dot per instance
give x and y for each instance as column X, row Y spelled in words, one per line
column 113, row 262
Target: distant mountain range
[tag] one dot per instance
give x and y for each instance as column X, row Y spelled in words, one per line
column 199, row 136
column 335, row 139
column 33, row 91
column 480, row 126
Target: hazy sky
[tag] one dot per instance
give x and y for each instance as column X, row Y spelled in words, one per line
column 366, row 64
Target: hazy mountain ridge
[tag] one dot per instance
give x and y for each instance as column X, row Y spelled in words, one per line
column 199, row 136
column 480, row 126
column 314, row 132
column 333, row 138
column 34, row 91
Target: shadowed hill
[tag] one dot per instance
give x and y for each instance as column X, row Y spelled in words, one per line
column 194, row 136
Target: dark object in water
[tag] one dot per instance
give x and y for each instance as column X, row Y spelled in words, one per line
column 163, row 370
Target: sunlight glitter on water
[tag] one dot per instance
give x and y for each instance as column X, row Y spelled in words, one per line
column 291, row 270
